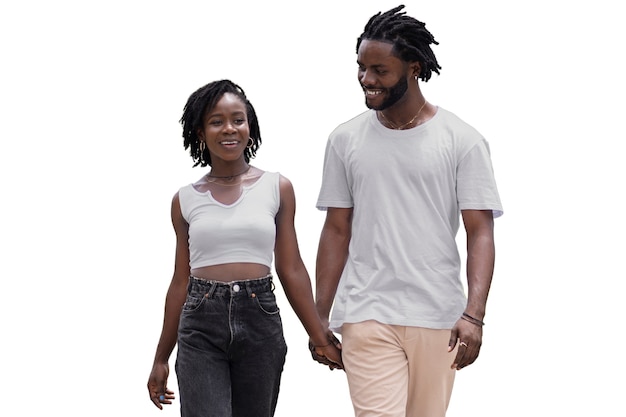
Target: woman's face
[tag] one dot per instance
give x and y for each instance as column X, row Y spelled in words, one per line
column 225, row 129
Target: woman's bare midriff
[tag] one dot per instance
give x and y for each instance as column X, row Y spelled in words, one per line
column 231, row 272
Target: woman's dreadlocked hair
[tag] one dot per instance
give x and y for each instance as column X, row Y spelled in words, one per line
column 411, row 41
column 203, row 100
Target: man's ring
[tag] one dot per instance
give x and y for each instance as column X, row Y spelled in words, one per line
column 463, row 344
column 161, row 397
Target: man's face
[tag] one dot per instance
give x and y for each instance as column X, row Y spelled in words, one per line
column 382, row 75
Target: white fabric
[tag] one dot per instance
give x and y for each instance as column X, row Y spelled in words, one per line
column 244, row 231
column 407, row 188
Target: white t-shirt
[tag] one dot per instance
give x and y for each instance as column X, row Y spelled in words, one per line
column 407, row 188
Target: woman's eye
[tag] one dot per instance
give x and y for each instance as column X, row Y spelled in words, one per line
column 240, row 121
column 215, row 122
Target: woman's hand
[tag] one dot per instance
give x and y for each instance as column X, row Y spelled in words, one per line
column 330, row 354
column 157, row 385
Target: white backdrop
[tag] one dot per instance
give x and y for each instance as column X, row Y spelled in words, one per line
column 90, row 98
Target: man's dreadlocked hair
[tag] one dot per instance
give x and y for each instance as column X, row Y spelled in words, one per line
column 411, row 41
column 203, row 100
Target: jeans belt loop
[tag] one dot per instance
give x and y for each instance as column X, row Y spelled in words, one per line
column 212, row 289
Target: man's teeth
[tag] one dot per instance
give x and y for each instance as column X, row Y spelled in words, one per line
column 372, row 92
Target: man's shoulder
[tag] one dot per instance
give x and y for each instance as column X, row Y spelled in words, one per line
column 460, row 131
column 354, row 123
column 452, row 120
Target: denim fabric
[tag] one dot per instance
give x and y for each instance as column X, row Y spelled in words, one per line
column 231, row 349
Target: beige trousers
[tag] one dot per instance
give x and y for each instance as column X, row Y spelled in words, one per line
column 397, row 371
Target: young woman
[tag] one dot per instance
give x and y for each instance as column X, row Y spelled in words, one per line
column 220, row 306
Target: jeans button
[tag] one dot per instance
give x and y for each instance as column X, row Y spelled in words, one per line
column 236, row 288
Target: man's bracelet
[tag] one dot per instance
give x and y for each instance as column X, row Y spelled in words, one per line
column 472, row 320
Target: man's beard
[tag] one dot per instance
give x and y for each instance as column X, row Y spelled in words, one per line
column 395, row 93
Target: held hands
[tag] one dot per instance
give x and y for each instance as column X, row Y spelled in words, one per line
column 159, row 394
column 468, row 332
column 330, row 354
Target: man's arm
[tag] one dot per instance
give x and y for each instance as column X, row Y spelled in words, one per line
column 480, row 259
column 480, row 263
column 332, row 254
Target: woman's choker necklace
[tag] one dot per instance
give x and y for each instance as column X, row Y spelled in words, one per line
column 394, row 126
column 229, row 177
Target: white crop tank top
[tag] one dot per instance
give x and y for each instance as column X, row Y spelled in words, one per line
column 242, row 232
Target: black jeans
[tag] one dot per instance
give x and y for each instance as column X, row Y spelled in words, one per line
column 231, row 349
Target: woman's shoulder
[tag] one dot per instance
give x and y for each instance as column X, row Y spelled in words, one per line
column 188, row 189
column 276, row 178
column 257, row 173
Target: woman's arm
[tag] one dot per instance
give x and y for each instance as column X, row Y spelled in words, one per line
column 294, row 276
column 176, row 295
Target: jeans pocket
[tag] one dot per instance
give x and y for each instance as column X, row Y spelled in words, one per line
column 192, row 302
column 267, row 303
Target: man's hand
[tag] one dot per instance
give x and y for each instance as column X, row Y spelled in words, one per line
column 469, row 336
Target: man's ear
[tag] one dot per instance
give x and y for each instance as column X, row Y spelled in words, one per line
column 416, row 68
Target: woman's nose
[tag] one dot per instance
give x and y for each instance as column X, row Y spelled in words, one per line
column 229, row 127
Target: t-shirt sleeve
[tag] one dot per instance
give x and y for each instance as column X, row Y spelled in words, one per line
column 476, row 184
column 335, row 189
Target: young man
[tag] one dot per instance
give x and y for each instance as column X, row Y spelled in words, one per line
column 397, row 179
